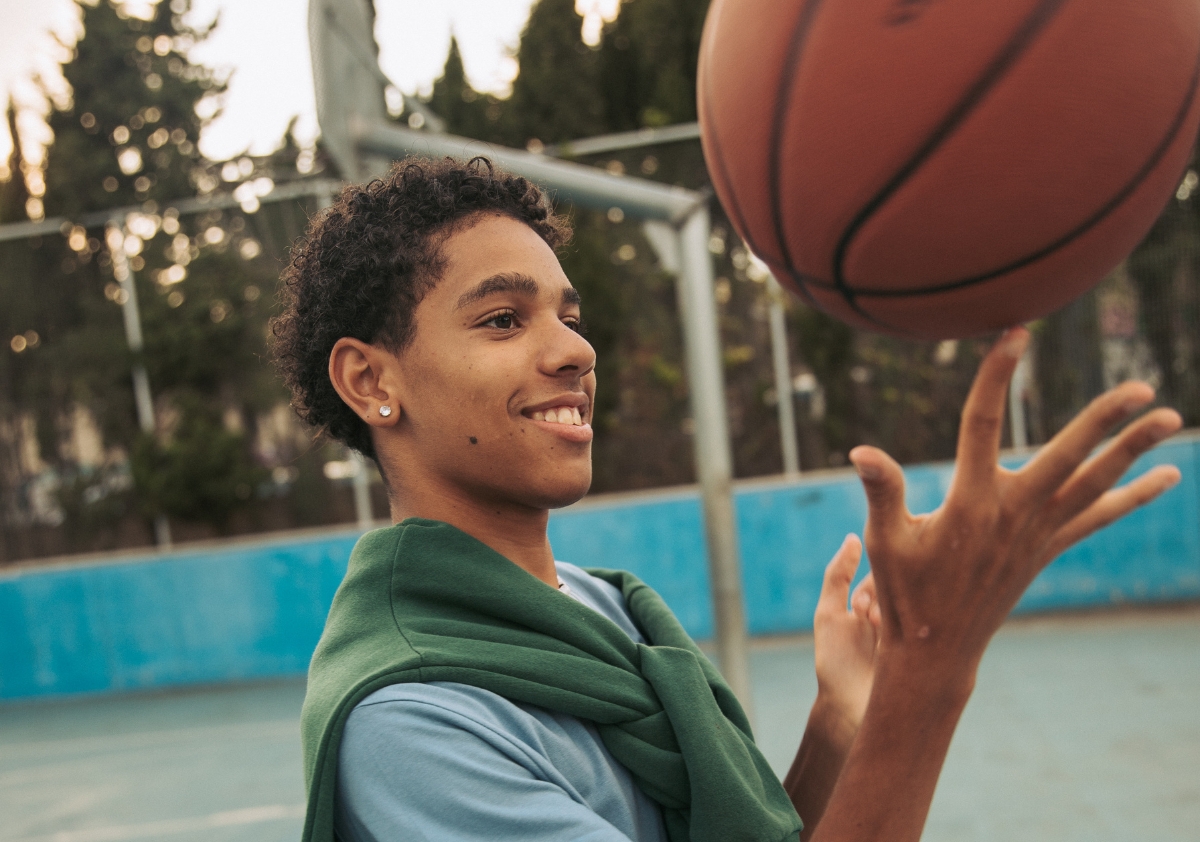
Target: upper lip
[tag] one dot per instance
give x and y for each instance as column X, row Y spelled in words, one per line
column 577, row 400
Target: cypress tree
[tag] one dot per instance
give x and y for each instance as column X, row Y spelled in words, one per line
column 131, row 130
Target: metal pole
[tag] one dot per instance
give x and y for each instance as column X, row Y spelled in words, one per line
column 115, row 237
column 580, row 185
column 360, row 480
column 189, row 204
column 714, row 458
column 623, row 140
column 1016, row 404
column 783, row 380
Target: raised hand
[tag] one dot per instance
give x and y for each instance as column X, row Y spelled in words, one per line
column 945, row 581
column 948, row 579
column 845, row 640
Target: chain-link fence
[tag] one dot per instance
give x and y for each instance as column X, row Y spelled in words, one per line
column 227, row 455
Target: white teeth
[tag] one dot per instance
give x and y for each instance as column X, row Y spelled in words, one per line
column 558, row 415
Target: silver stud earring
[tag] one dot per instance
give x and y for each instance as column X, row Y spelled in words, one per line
column 385, row 410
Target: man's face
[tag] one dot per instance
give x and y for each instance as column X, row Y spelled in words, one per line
column 497, row 381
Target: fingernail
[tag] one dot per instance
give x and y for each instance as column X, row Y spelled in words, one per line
column 866, row 471
column 1136, row 402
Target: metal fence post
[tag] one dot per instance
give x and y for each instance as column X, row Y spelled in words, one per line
column 1017, row 390
column 714, row 457
column 783, row 379
column 360, row 480
column 114, row 235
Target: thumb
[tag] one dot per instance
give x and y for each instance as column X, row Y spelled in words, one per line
column 883, row 482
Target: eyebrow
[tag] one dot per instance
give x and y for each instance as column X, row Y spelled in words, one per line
column 513, row 282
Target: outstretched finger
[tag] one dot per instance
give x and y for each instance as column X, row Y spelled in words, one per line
column 883, row 483
column 839, row 573
column 1096, row 476
column 1112, row 506
column 1061, row 457
column 983, row 413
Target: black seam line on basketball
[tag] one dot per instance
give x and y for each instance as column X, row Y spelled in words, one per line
column 1011, row 51
column 774, row 151
column 1155, row 157
column 739, row 217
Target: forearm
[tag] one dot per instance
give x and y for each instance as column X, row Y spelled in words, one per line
column 823, row 750
column 890, row 773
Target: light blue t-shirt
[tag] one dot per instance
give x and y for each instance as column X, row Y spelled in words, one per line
column 446, row 762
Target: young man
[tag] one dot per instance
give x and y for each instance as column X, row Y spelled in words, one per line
column 470, row 687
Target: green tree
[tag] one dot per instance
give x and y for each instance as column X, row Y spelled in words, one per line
column 200, row 473
column 556, row 94
column 131, row 131
column 128, row 137
column 454, row 100
column 648, row 59
column 1165, row 269
column 13, row 193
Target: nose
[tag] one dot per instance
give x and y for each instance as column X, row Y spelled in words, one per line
column 567, row 352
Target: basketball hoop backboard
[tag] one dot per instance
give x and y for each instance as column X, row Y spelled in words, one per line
column 346, row 78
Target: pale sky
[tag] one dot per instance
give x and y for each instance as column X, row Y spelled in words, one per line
column 265, row 43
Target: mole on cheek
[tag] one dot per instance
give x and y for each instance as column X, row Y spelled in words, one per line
column 474, row 440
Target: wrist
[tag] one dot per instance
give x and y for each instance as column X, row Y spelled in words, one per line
column 942, row 679
column 833, row 721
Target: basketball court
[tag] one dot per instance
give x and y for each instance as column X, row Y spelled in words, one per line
column 1082, row 727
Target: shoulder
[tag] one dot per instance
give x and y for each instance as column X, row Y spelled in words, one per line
column 441, row 761
column 433, row 709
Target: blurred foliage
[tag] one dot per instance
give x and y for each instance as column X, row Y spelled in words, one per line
column 127, row 139
column 201, row 471
column 230, row 458
column 131, row 128
column 1165, row 270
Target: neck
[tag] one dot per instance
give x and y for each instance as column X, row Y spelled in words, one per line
column 516, row 532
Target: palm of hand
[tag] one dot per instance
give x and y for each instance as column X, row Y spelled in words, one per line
column 948, row 579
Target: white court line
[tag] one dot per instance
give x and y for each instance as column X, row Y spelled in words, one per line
column 120, row 833
column 150, row 739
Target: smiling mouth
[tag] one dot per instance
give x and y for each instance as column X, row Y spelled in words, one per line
column 559, row 415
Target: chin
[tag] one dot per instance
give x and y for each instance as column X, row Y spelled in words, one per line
column 562, row 493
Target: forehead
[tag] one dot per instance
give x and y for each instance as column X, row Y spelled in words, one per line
column 494, row 246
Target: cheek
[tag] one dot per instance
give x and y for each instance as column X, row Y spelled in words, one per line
column 463, row 396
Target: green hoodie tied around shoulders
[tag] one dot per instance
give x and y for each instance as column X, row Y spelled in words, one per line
column 423, row 601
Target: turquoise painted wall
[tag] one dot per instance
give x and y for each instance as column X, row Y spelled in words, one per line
column 255, row 610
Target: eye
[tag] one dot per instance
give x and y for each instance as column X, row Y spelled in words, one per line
column 576, row 324
column 505, row 320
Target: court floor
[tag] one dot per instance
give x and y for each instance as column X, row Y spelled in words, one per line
column 1081, row 728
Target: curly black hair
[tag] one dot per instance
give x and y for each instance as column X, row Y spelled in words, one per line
column 365, row 264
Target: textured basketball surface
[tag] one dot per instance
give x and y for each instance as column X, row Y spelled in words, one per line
column 938, row 169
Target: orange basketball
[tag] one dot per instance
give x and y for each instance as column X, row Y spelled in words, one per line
column 935, row 169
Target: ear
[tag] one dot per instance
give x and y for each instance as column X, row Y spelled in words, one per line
column 366, row 377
